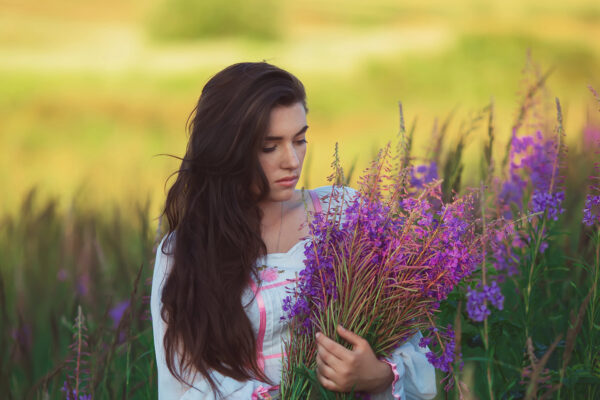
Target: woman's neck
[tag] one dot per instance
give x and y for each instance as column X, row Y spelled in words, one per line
column 283, row 223
column 273, row 210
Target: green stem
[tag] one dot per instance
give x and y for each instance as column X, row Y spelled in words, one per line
column 484, row 281
column 538, row 240
column 593, row 300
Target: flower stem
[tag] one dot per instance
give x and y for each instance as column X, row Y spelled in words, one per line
column 486, row 341
column 592, row 311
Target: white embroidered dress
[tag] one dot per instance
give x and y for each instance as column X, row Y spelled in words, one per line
column 414, row 376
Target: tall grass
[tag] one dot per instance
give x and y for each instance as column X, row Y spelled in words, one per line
column 544, row 343
column 53, row 264
column 74, row 283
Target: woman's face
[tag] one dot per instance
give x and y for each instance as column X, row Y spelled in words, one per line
column 283, row 150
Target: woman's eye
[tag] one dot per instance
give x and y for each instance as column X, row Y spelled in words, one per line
column 301, row 141
column 268, row 149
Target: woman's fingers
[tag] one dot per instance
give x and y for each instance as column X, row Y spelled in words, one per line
column 328, row 383
column 328, row 358
column 351, row 337
column 336, row 349
column 324, row 369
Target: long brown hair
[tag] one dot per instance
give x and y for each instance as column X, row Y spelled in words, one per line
column 212, row 209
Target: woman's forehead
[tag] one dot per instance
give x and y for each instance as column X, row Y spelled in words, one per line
column 286, row 121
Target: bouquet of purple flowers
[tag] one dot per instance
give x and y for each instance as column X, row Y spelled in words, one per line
column 379, row 262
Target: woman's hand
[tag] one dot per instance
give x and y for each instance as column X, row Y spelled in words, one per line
column 342, row 370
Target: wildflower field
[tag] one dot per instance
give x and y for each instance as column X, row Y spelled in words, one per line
column 91, row 92
column 526, row 320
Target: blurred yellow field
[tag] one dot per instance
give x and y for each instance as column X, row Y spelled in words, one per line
column 89, row 96
column 94, row 99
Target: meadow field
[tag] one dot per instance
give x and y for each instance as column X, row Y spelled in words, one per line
column 94, row 94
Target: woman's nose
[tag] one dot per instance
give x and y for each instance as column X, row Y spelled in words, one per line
column 290, row 158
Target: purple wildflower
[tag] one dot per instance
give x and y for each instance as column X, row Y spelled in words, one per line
column 512, row 190
column 71, row 394
column 504, row 244
column 22, row 335
column 477, row 308
column 591, row 135
column 493, row 295
column 550, row 203
column 447, row 357
column 117, row 312
column 62, row 275
column 425, row 341
column 533, row 158
column 421, row 175
column 83, row 284
column 591, row 210
column 407, row 250
column 476, row 305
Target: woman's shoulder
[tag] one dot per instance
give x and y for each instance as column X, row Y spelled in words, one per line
column 164, row 258
column 167, row 244
column 335, row 194
column 335, row 191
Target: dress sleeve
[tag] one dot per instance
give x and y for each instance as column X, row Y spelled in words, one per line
column 169, row 388
column 414, row 376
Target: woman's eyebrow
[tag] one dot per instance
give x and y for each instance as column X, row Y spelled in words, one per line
column 300, row 132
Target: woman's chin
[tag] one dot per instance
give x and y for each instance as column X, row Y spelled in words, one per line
column 283, row 194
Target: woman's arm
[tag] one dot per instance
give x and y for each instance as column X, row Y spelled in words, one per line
column 414, row 376
column 343, row 370
column 406, row 374
column 169, row 388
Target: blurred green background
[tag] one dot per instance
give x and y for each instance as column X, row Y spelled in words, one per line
column 91, row 92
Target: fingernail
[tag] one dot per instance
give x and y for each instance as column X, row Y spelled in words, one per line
column 318, row 335
column 342, row 328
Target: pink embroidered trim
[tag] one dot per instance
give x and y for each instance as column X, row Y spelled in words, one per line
column 262, row 392
column 396, row 377
column 270, row 356
column 315, row 201
column 262, row 325
column 274, row 285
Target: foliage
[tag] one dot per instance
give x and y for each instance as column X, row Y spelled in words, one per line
column 84, row 266
column 542, row 341
column 189, row 19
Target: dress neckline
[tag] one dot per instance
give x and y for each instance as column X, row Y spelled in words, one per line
column 291, row 250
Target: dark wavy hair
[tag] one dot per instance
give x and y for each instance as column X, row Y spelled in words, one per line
column 212, row 209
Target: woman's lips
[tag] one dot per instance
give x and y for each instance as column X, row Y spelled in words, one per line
column 288, row 182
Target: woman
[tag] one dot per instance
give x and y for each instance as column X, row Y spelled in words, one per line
column 237, row 227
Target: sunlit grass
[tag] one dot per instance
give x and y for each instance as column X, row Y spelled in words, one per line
column 88, row 99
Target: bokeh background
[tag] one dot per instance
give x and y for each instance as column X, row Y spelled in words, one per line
column 94, row 93
column 91, row 92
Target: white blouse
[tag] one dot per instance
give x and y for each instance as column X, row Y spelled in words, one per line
column 414, row 375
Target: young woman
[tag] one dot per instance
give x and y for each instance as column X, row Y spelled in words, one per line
column 237, row 229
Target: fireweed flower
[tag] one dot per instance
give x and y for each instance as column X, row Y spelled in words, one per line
column 116, row 313
column 420, row 175
column 591, row 210
column 77, row 379
column 71, row 394
column 477, row 308
column 549, row 203
column 512, row 190
column 534, row 157
column 446, row 358
column 391, row 259
column 591, row 135
column 504, row 244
